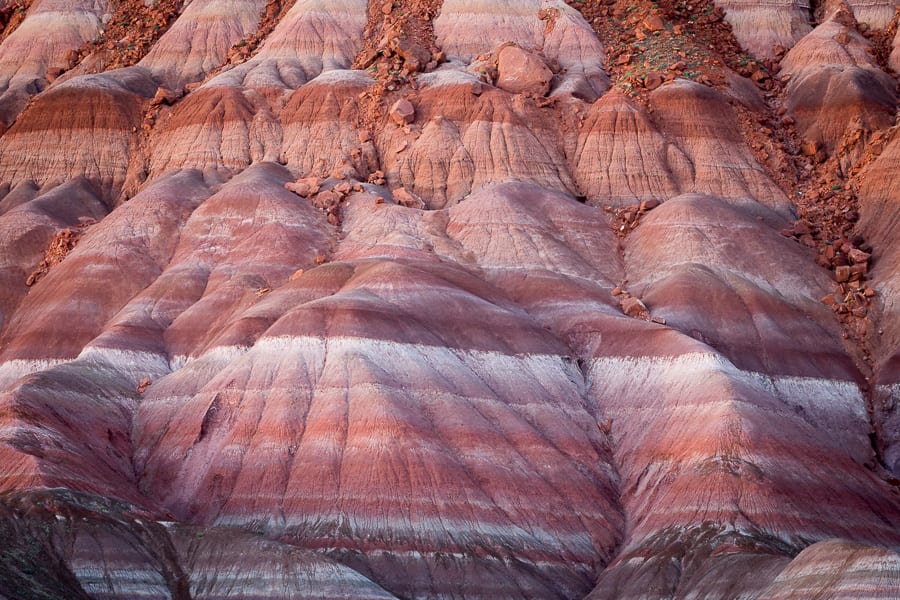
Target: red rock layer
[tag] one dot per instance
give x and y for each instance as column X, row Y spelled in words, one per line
column 27, row 226
column 225, row 124
column 85, row 127
column 199, row 39
column 837, row 92
column 701, row 122
column 495, row 23
column 435, row 366
column 471, row 140
column 63, row 26
column 761, row 28
column 98, row 548
column 476, row 445
column 320, row 128
column 466, row 29
column 215, row 128
column 623, row 159
column 313, row 37
column 856, row 572
column 65, row 328
column 714, row 476
column 391, row 509
column 68, row 426
column 246, row 238
column 738, row 458
column 879, row 198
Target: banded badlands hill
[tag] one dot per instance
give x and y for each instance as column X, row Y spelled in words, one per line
column 449, row 299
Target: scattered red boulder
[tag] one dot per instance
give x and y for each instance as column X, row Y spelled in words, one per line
column 522, row 71
column 402, row 112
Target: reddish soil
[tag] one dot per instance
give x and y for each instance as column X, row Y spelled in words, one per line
column 268, row 19
column 399, row 42
column 62, row 243
column 625, row 219
column 130, row 33
column 649, row 43
column 12, row 16
column 882, row 41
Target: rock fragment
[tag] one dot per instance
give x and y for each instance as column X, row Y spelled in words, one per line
column 402, row 112
column 404, row 197
column 520, row 71
column 306, row 187
column 633, row 307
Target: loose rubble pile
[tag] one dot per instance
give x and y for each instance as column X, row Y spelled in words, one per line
column 882, row 40
column 404, row 44
column 399, row 43
column 130, row 33
column 327, row 198
column 827, row 225
column 11, row 14
column 271, row 15
column 848, row 259
column 650, row 43
column 634, row 307
column 826, row 192
column 62, row 243
column 328, row 195
column 626, row 218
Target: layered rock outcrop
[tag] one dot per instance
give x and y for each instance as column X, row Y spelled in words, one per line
column 392, row 300
column 837, row 93
column 762, row 28
column 879, row 217
column 199, row 40
column 62, row 26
